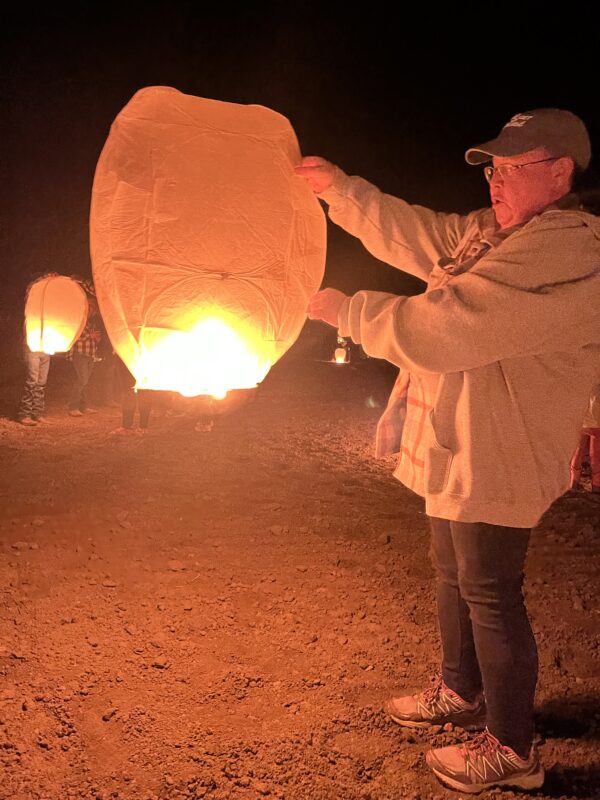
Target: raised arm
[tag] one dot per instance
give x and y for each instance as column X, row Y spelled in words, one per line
column 410, row 238
column 512, row 305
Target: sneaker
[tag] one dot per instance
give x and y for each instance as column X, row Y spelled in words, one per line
column 122, row 432
column 41, row 419
column 91, row 411
column 436, row 707
column 482, row 763
column 27, row 421
column 75, row 412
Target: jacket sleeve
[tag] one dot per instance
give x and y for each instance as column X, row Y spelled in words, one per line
column 518, row 301
column 411, row 238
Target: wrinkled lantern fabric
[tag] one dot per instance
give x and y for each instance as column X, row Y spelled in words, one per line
column 205, row 245
column 55, row 314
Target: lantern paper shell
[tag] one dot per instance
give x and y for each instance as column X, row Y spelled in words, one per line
column 205, row 245
column 55, row 314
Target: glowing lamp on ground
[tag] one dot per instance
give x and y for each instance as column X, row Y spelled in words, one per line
column 206, row 247
column 341, row 354
column 55, row 313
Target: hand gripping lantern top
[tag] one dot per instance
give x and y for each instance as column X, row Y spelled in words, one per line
column 205, row 245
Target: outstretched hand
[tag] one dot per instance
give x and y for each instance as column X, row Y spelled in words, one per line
column 317, row 172
column 325, row 306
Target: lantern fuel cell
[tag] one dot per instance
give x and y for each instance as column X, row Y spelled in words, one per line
column 206, row 247
column 55, row 314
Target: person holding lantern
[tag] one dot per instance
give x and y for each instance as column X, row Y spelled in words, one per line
column 494, row 333
column 33, row 399
column 37, row 362
column 130, row 400
column 83, row 354
column 588, row 448
column 32, row 404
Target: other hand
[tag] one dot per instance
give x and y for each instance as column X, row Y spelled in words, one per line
column 325, row 306
column 317, row 172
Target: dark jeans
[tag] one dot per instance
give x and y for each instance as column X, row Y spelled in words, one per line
column 487, row 640
column 104, row 382
column 130, row 398
column 83, row 366
column 32, row 400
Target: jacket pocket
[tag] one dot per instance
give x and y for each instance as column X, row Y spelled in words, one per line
column 437, row 468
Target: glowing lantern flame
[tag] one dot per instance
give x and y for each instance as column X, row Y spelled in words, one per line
column 206, row 247
column 211, row 358
column 55, row 314
column 47, row 340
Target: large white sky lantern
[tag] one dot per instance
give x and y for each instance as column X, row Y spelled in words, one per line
column 205, row 245
column 56, row 311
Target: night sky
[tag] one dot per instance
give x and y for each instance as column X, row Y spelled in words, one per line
column 392, row 95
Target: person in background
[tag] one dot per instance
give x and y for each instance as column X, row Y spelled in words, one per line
column 32, row 405
column 83, row 355
column 497, row 358
column 33, row 399
column 104, row 388
column 130, row 400
column 588, row 449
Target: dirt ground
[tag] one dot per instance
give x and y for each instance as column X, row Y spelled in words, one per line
column 221, row 614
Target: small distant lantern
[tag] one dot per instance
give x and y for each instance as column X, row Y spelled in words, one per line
column 56, row 310
column 206, row 246
column 341, row 354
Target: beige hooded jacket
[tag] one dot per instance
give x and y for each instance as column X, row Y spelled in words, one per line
column 511, row 347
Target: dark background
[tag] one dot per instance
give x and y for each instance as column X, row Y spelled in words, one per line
column 392, row 93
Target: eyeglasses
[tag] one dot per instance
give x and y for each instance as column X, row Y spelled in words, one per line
column 507, row 170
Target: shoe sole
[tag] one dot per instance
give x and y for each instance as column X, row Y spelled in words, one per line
column 466, row 723
column 534, row 780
